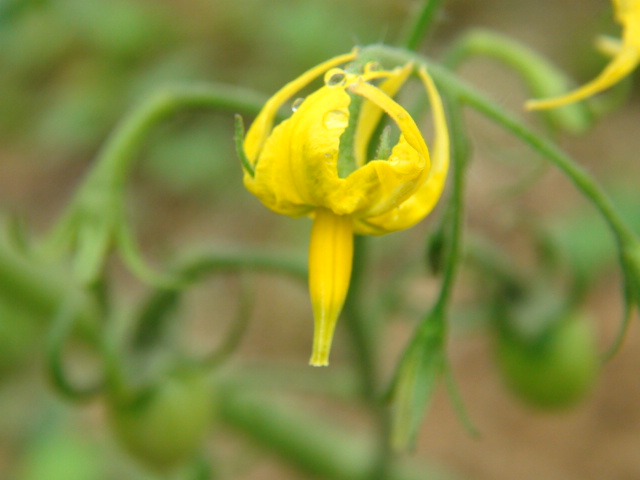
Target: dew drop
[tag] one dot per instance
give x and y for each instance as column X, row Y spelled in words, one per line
column 335, row 77
column 296, row 104
column 336, row 119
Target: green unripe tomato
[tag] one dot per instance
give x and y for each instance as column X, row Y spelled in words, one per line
column 166, row 426
column 554, row 371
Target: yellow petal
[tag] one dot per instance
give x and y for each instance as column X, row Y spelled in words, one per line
column 625, row 11
column 297, row 168
column 628, row 14
column 379, row 185
column 416, row 207
column 624, row 62
column 399, row 115
column 370, row 113
column 400, row 176
column 330, row 259
column 261, row 126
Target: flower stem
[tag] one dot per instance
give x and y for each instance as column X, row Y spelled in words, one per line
column 158, row 306
column 455, row 213
column 305, row 442
column 124, row 143
column 363, row 339
column 420, row 24
column 37, row 289
column 360, row 334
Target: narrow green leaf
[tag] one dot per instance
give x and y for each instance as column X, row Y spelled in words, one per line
column 239, row 139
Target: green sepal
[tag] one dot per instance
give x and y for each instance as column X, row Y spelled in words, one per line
column 239, row 139
column 417, row 377
column 458, row 403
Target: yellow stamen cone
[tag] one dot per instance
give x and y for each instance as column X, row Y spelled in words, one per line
column 330, row 260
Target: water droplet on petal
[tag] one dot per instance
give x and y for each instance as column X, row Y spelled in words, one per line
column 336, row 119
column 296, row 104
column 335, row 77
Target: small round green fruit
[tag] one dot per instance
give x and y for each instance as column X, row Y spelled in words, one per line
column 165, row 427
column 556, row 369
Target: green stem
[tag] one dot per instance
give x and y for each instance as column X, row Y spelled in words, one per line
column 308, row 443
column 94, row 221
column 455, row 214
column 424, row 360
column 62, row 329
column 460, row 156
column 122, row 146
column 420, row 24
column 198, row 264
column 355, row 322
column 363, row 340
column 581, row 179
column 38, row 290
column 162, row 302
column 232, row 339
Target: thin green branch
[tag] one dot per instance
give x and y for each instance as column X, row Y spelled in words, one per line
column 238, row 328
column 191, row 267
column 419, row 24
column 308, row 443
column 359, row 331
column 62, row 328
column 94, row 222
column 123, row 145
column 455, row 214
column 623, row 328
column 162, row 302
column 364, row 343
column 37, row 289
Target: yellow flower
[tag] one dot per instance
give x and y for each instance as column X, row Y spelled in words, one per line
column 626, row 56
column 294, row 170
